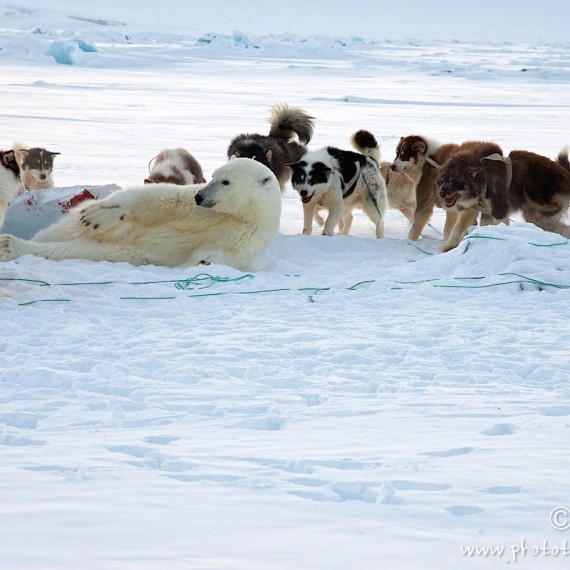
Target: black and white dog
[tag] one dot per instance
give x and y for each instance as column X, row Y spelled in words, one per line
column 339, row 181
column 36, row 166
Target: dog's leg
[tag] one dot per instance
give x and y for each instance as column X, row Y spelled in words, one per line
column 375, row 210
column 450, row 221
column 421, row 218
column 488, row 220
column 336, row 208
column 374, row 196
column 465, row 219
column 551, row 221
column 345, row 222
column 408, row 212
column 308, row 213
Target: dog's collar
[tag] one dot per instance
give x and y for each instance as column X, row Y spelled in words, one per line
column 432, row 162
column 349, row 187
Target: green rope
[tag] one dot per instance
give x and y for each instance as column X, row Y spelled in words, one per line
column 523, row 279
column 39, row 282
column 44, row 301
column 370, row 196
column 548, row 244
column 418, row 248
column 434, row 229
column 204, row 280
column 476, row 236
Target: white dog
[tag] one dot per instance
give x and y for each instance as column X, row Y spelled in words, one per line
column 230, row 221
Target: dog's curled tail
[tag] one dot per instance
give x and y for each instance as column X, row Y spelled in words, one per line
column 365, row 143
column 562, row 159
column 17, row 147
column 286, row 122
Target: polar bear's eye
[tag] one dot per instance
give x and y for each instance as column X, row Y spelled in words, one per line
column 226, row 182
column 265, row 180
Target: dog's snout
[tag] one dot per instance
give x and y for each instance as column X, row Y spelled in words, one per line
column 393, row 168
column 303, row 193
column 43, row 176
column 199, row 199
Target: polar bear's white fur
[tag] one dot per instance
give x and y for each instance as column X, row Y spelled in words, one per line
column 229, row 221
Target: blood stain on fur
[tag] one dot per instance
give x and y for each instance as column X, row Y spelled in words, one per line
column 77, row 199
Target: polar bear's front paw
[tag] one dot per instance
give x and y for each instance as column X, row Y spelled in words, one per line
column 102, row 216
column 9, row 247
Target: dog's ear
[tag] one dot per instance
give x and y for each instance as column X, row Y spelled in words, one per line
column 53, row 153
column 268, row 154
column 23, row 152
column 235, row 154
column 9, row 161
column 419, row 146
column 147, row 181
column 8, row 157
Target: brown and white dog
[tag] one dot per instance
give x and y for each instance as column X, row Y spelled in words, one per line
column 36, row 166
column 10, row 183
column 421, row 157
column 497, row 186
column 175, row 166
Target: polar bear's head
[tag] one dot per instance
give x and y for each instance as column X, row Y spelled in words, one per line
column 241, row 186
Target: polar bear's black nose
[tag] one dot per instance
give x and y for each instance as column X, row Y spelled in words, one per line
column 204, row 202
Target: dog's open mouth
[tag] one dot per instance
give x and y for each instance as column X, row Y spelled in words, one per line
column 306, row 199
column 450, row 201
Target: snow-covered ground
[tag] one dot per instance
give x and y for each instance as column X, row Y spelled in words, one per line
column 354, row 403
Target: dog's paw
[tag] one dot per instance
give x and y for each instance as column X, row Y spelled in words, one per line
column 102, row 216
column 448, row 247
column 9, row 247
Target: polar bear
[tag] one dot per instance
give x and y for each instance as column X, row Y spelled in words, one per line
column 229, row 221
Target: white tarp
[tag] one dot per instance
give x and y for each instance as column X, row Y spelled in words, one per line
column 34, row 210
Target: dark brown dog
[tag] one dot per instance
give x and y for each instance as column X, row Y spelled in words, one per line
column 420, row 157
column 525, row 182
column 457, row 193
